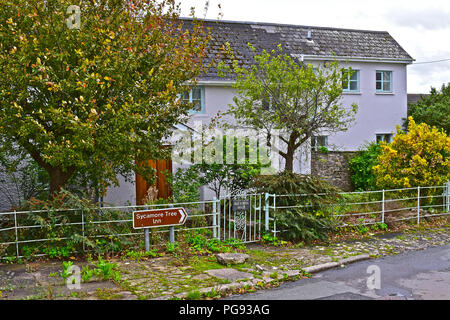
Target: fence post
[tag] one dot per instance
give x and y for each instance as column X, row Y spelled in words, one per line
column 274, row 216
column 418, row 205
column 17, row 237
column 82, row 229
column 447, row 196
column 382, row 208
column 266, row 211
column 214, row 217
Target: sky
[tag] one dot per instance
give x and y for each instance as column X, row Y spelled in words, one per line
column 422, row 28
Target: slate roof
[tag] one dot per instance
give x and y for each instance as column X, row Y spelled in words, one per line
column 293, row 38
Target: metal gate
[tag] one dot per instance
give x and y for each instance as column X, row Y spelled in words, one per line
column 241, row 217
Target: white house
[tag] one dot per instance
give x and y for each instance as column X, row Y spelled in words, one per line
column 378, row 86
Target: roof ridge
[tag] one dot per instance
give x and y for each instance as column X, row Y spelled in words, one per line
column 284, row 25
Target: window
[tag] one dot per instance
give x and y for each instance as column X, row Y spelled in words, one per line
column 384, row 81
column 196, row 96
column 318, row 141
column 386, row 137
column 350, row 83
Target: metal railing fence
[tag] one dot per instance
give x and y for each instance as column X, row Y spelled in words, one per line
column 35, row 232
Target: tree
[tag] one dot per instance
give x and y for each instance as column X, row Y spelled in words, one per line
column 420, row 157
column 433, row 110
column 93, row 86
column 277, row 92
column 220, row 169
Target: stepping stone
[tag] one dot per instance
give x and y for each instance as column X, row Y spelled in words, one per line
column 231, row 258
column 229, row 274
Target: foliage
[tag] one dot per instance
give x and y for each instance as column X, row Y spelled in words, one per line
column 59, row 221
column 361, row 165
column 279, row 93
column 98, row 97
column 22, row 181
column 234, row 178
column 220, row 168
column 420, row 157
column 201, row 244
column 309, row 217
column 269, row 238
column 106, row 270
column 138, row 255
column 299, row 224
column 65, row 272
column 288, row 183
column 433, row 110
column 185, row 185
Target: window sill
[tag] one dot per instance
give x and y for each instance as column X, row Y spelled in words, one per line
column 385, row 93
column 352, row 92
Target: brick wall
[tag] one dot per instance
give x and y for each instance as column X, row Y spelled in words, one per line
column 333, row 167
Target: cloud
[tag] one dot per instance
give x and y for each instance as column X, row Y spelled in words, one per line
column 429, row 19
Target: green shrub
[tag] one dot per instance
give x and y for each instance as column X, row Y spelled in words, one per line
column 292, row 183
column 361, row 165
column 59, row 221
column 311, row 198
column 297, row 224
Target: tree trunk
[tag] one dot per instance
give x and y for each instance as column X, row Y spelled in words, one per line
column 289, row 158
column 289, row 155
column 58, row 179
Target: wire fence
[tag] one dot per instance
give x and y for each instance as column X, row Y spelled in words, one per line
column 244, row 217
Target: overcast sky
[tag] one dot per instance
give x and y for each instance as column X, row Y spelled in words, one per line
column 422, row 28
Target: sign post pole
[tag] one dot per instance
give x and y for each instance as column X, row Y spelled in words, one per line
column 172, row 231
column 147, row 239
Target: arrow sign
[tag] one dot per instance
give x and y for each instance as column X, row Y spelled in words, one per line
column 159, row 218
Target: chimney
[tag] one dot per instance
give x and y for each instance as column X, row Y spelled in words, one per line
column 309, row 37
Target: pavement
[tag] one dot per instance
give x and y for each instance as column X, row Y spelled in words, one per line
column 202, row 277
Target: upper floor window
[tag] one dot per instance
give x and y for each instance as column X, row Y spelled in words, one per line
column 350, row 82
column 384, row 81
column 197, row 97
column 319, row 141
column 386, row 137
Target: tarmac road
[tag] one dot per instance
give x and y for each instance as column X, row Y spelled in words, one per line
column 414, row 275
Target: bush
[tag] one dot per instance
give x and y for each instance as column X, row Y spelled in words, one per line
column 292, row 183
column 420, row 157
column 54, row 221
column 298, row 224
column 310, row 217
column 361, row 165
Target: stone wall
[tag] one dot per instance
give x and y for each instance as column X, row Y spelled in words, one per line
column 333, row 167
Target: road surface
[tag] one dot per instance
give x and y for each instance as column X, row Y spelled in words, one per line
column 414, row 275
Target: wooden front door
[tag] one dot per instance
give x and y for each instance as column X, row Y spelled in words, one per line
column 160, row 189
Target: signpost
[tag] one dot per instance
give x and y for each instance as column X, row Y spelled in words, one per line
column 159, row 218
column 168, row 217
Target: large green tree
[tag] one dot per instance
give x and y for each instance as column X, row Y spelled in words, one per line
column 433, row 109
column 92, row 85
column 278, row 92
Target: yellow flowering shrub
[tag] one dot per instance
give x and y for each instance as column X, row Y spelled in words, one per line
column 420, row 157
